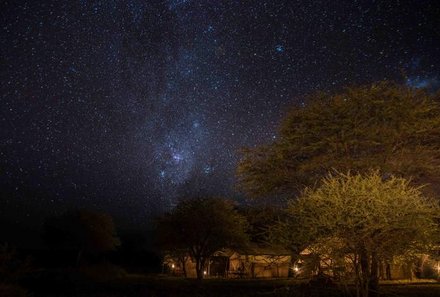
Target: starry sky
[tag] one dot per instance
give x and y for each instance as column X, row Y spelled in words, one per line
column 125, row 106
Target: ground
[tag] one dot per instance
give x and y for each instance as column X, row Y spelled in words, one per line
column 154, row 286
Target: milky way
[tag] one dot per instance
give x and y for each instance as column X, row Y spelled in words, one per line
column 125, row 106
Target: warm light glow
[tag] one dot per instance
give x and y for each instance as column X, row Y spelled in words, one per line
column 296, row 269
column 204, row 272
column 172, row 266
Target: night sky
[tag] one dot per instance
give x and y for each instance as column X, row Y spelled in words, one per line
column 125, row 106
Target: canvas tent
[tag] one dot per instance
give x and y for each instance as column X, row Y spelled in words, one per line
column 251, row 262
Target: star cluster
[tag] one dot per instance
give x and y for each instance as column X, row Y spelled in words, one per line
column 125, row 106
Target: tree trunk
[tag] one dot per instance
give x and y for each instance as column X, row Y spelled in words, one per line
column 79, row 256
column 357, row 274
column 200, row 265
column 388, row 271
column 370, row 274
column 373, row 284
column 365, row 273
column 183, row 262
column 382, row 265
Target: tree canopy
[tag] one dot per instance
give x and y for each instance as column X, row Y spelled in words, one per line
column 201, row 226
column 83, row 230
column 365, row 216
column 381, row 126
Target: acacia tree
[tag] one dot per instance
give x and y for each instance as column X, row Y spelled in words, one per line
column 200, row 227
column 382, row 126
column 366, row 217
column 83, row 230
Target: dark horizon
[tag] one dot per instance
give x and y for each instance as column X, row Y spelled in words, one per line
column 123, row 107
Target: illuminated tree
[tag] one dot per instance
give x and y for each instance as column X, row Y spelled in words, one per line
column 364, row 217
column 200, row 227
column 381, row 126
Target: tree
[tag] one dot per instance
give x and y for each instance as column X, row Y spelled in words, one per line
column 261, row 219
column 382, row 126
column 12, row 269
column 199, row 227
column 83, row 230
column 364, row 217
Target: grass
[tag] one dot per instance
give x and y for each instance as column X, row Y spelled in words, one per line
column 134, row 285
column 409, row 281
column 411, row 290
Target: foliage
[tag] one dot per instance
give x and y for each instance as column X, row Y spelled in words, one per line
column 12, row 268
column 83, row 230
column 261, row 218
column 12, row 290
column 199, row 227
column 366, row 217
column 102, row 272
column 380, row 126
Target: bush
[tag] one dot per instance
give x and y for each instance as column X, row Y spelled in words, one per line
column 9, row 290
column 102, row 272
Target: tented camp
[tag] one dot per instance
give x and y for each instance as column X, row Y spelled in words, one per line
column 311, row 263
column 269, row 262
column 253, row 262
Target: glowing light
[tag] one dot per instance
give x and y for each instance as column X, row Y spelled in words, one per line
column 204, row 272
column 172, row 266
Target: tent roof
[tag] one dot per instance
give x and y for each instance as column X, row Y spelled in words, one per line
column 254, row 250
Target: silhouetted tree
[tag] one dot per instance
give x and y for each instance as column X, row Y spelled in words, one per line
column 12, row 270
column 199, row 227
column 83, row 230
column 261, row 218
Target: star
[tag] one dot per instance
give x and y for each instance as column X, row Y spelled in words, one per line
column 177, row 157
column 207, row 169
column 279, row 48
column 134, row 99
